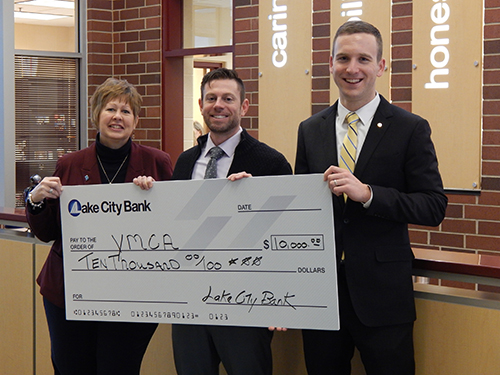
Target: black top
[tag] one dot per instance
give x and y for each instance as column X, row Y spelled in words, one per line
column 112, row 160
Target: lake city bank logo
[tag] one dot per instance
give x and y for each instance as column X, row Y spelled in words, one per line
column 74, row 208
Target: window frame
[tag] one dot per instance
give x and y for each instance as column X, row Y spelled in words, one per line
column 173, row 73
column 82, row 92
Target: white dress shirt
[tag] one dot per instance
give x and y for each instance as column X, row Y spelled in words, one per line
column 223, row 164
column 365, row 114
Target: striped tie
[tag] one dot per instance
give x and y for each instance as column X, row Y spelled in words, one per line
column 350, row 145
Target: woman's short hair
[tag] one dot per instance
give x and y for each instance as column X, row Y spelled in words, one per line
column 111, row 89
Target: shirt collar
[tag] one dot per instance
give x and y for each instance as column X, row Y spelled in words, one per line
column 364, row 113
column 228, row 146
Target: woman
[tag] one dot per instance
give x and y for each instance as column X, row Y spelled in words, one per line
column 83, row 347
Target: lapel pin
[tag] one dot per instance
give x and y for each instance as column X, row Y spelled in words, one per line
column 86, row 177
column 379, row 125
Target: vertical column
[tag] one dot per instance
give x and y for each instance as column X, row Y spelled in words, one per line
column 7, row 117
column 137, row 54
column 402, row 32
column 246, row 58
column 99, row 47
column 321, row 51
column 490, row 180
column 124, row 41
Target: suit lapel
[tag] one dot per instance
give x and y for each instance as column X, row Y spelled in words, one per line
column 328, row 136
column 328, row 144
column 380, row 123
column 135, row 164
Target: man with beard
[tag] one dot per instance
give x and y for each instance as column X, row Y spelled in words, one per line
column 199, row 349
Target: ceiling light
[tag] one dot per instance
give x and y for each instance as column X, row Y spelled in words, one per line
column 352, row 4
column 37, row 16
column 51, row 3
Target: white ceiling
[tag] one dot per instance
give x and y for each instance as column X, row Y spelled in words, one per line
column 69, row 20
column 24, row 6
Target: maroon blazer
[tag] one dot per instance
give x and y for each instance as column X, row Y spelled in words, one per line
column 81, row 168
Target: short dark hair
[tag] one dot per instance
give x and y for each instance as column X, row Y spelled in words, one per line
column 223, row 73
column 355, row 27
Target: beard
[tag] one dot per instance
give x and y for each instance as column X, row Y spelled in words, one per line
column 219, row 127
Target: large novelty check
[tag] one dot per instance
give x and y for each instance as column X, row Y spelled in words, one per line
column 255, row 252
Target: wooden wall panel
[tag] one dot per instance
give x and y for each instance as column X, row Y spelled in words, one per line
column 284, row 90
column 16, row 308
column 456, row 339
column 447, row 84
column 42, row 339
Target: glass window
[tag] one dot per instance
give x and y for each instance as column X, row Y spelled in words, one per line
column 47, row 86
column 208, row 23
column 45, row 25
column 46, row 116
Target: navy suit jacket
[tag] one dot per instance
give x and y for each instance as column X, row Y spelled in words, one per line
column 250, row 155
column 398, row 161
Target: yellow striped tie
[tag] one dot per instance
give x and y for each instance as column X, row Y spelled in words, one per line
column 350, row 145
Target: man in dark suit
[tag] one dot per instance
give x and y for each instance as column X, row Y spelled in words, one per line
column 198, row 349
column 395, row 181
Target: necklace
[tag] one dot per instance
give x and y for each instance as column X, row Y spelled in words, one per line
column 118, row 171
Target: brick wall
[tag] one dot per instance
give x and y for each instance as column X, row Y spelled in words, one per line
column 246, row 57
column 321, row 50
column 484, row 210
column 472, row 221
column 401, row 64
column 124, row 41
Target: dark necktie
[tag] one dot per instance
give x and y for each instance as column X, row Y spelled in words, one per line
column 215, row 154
